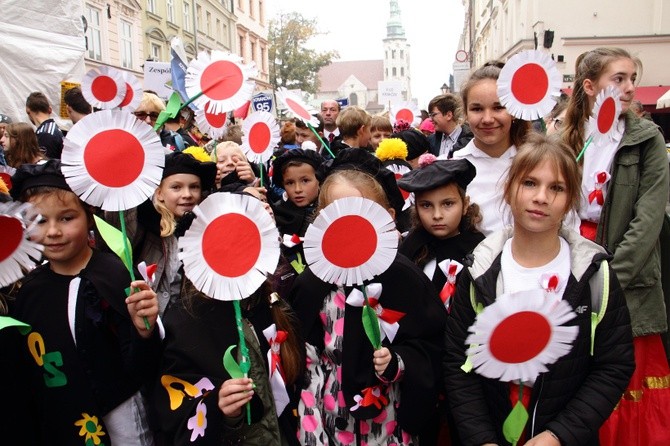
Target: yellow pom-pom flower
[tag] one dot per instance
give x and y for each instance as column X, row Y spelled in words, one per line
column 391, row 149
column 199, row 153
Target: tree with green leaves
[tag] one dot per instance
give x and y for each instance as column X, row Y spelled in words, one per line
column 292, row 65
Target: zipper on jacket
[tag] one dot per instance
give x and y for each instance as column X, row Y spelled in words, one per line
column 537, row 402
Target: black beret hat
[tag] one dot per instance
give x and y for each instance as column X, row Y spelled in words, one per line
column 28, row 176
column 417, row 143
column 361, row 159
column 304, row 156
column 178, row 162
column 438, row 173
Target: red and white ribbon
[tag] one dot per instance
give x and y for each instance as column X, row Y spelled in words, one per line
column 291, row 240
column 147, row 272
column 596, row 197
column 450, row 268
column 275, row 338
column 388, row 319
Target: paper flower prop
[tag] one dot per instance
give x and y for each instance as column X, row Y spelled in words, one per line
column 389, row 320
column 275, row 339
column 297, row 107
column 529, row 84
column 260, row 135
column 214, row 124
column 222, row 79
column 103, row 87
column 398, row 171
column 231, row 246
column 352, row 240
column 112, row 160
column 517, row 336
column 605, row 115
column 407, row 111
column 17, row 253
column 133, row 95
column 198, row 422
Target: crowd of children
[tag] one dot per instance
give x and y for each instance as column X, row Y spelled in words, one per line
column 481, row 228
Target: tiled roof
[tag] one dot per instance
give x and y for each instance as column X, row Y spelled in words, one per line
column 369, row 72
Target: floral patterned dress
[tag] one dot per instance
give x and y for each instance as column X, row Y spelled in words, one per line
column 324, row 417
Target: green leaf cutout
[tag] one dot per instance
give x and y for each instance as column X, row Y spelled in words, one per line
column 114, row 240
column 297, row 264
column 371, row 326
column 515, row 423
column 6, row 321
column 171, row 110
column 231, row 365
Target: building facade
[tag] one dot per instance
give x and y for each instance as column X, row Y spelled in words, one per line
column 252, row 38
column 397, row 52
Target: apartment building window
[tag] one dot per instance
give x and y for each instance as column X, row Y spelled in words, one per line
column 151, row 6
column 187, row 16
column 261, row 12
column 198, row 14
column 226, row 34
column 402, row 71
column 242, row 46
column 392, row 54
column 218, row 30
column 395, row 72
column 169, row 4
column 126, row 44
column 156, row 51
column 208, row 23
column 402, row 54
column 251, row 9
column 263, row 64
column 252, row 56
column 94, row 33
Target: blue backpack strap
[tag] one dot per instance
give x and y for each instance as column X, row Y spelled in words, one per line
column 600, row 293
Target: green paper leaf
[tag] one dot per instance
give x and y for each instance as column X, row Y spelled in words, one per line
column 6, row 321
column 114, row 239
column 172, row 108
column 231, row 366
column 371, row 326
column 515, row 423
column 297, row 264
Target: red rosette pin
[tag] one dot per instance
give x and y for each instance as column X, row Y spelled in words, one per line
column 352, row 240
column 220, row 81
column 112, row 160
column 519, row 335
column 103, row 87
column 231, row 247
column 529, row 84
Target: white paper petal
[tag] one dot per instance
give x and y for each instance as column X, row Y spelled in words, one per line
column 133, row 88
column 518, row 108
column 296, row 107
column 196, row 268
column 102, row 103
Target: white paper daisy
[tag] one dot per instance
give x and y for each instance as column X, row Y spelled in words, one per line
column 603, row 120
column 231, row 247
column 18, row 254
column 223, row 80
column 214, row 124
column 517, row 336
column 398, row 171
column 529, row 85
column 112, row 160
column 407, row 111
column 352, row 240
column 260, row 135
column 133, row 96
column 297, row 107
column 103, row 87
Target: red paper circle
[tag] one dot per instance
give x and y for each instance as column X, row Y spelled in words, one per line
column 349, row 241
column 405, row 114
column 530, row 83
column 130, row 94
column 403, row 192
column 104, row 88
column 520, row 337
column 259, row 137
column 216, row 120
column 12, row 234
column 606, row 114
column 298, row 109
column 221, row 80
column 231, row 245
column 114, row 158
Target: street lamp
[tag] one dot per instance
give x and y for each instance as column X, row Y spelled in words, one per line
column 444, row 88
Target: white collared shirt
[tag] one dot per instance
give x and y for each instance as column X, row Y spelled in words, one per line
column 449, row 140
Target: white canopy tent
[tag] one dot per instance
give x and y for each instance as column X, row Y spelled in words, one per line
column 664, row 100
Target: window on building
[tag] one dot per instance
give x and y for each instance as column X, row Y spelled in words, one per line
column 386, row 54
column 94, row 33
column 156, row 51
column 402, row 54
column 387, row 72
column 239, row 5
column 252, row 12
column 226, row 34
column 252, row 56
column 395, row 72
column 208, row 23
column 264, row 66
column 126, row 44
column 198, row 15
column 218, row 30
column 169, row 5
column 402, row 71
column 261, row 12
column 187, row 17
column 392, row 54
column 242, row 46
column 151, row 6
column 353, row 99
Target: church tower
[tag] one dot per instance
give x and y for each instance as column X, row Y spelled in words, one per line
column 396, row 52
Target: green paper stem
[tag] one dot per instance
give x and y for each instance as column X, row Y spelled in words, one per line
column 323, row 143
column 515, row 422
column 586, row 144
column 245, row 364
column 261, row 165
column 128, row 257
column 371, row 322
column 114, row 240
column 543, row 126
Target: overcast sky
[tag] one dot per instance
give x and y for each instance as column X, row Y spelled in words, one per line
column 355, row 28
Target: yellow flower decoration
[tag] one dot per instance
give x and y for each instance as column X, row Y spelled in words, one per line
column 198, row 153
column 90, row 428
column 391, row 149
column 3, row 187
